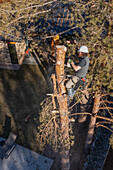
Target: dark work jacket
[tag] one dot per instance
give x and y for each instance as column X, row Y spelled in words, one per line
column 84, row 69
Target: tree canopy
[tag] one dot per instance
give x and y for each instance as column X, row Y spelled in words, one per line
column 89, row 22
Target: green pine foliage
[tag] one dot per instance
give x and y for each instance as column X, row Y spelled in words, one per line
column 49, row 129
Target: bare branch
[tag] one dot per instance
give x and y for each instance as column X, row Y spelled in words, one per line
column 105, row 127
column 105, row 101
column 106, row 94
column 107, row 108
column 104, row 118
column 111, row 108
column 32, row 15
column 99, row 117
column 21, row 9
column 60, row 33
column 86, row 113
column 55, row 132
column 103, row 122
column 73, row 105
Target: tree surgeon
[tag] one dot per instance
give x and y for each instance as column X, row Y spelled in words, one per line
column 80, row 71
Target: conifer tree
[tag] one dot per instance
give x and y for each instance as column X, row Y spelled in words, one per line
column 91, row 22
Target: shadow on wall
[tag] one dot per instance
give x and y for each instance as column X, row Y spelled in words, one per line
column 21, row 93
column 6, row 127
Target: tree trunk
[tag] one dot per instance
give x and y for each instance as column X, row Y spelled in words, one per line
column 85, row 96
column 92, row 123
column 63, row 107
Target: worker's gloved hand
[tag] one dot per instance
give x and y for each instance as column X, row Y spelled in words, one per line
column 70, row 61
column 68, row 65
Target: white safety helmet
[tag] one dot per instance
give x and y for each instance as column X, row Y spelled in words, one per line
column 83, row 49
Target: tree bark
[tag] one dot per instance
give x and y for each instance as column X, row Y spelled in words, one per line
column 85, row 96
column 92, row 123
column 63, row 107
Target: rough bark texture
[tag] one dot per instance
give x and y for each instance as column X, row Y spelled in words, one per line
column 63, row 107
column 92, row 122
column 60, row 59
column 85, row 97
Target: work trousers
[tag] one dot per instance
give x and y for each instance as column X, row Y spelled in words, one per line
column 72, row 82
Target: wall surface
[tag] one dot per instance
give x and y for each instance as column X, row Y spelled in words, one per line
column 5, row 55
